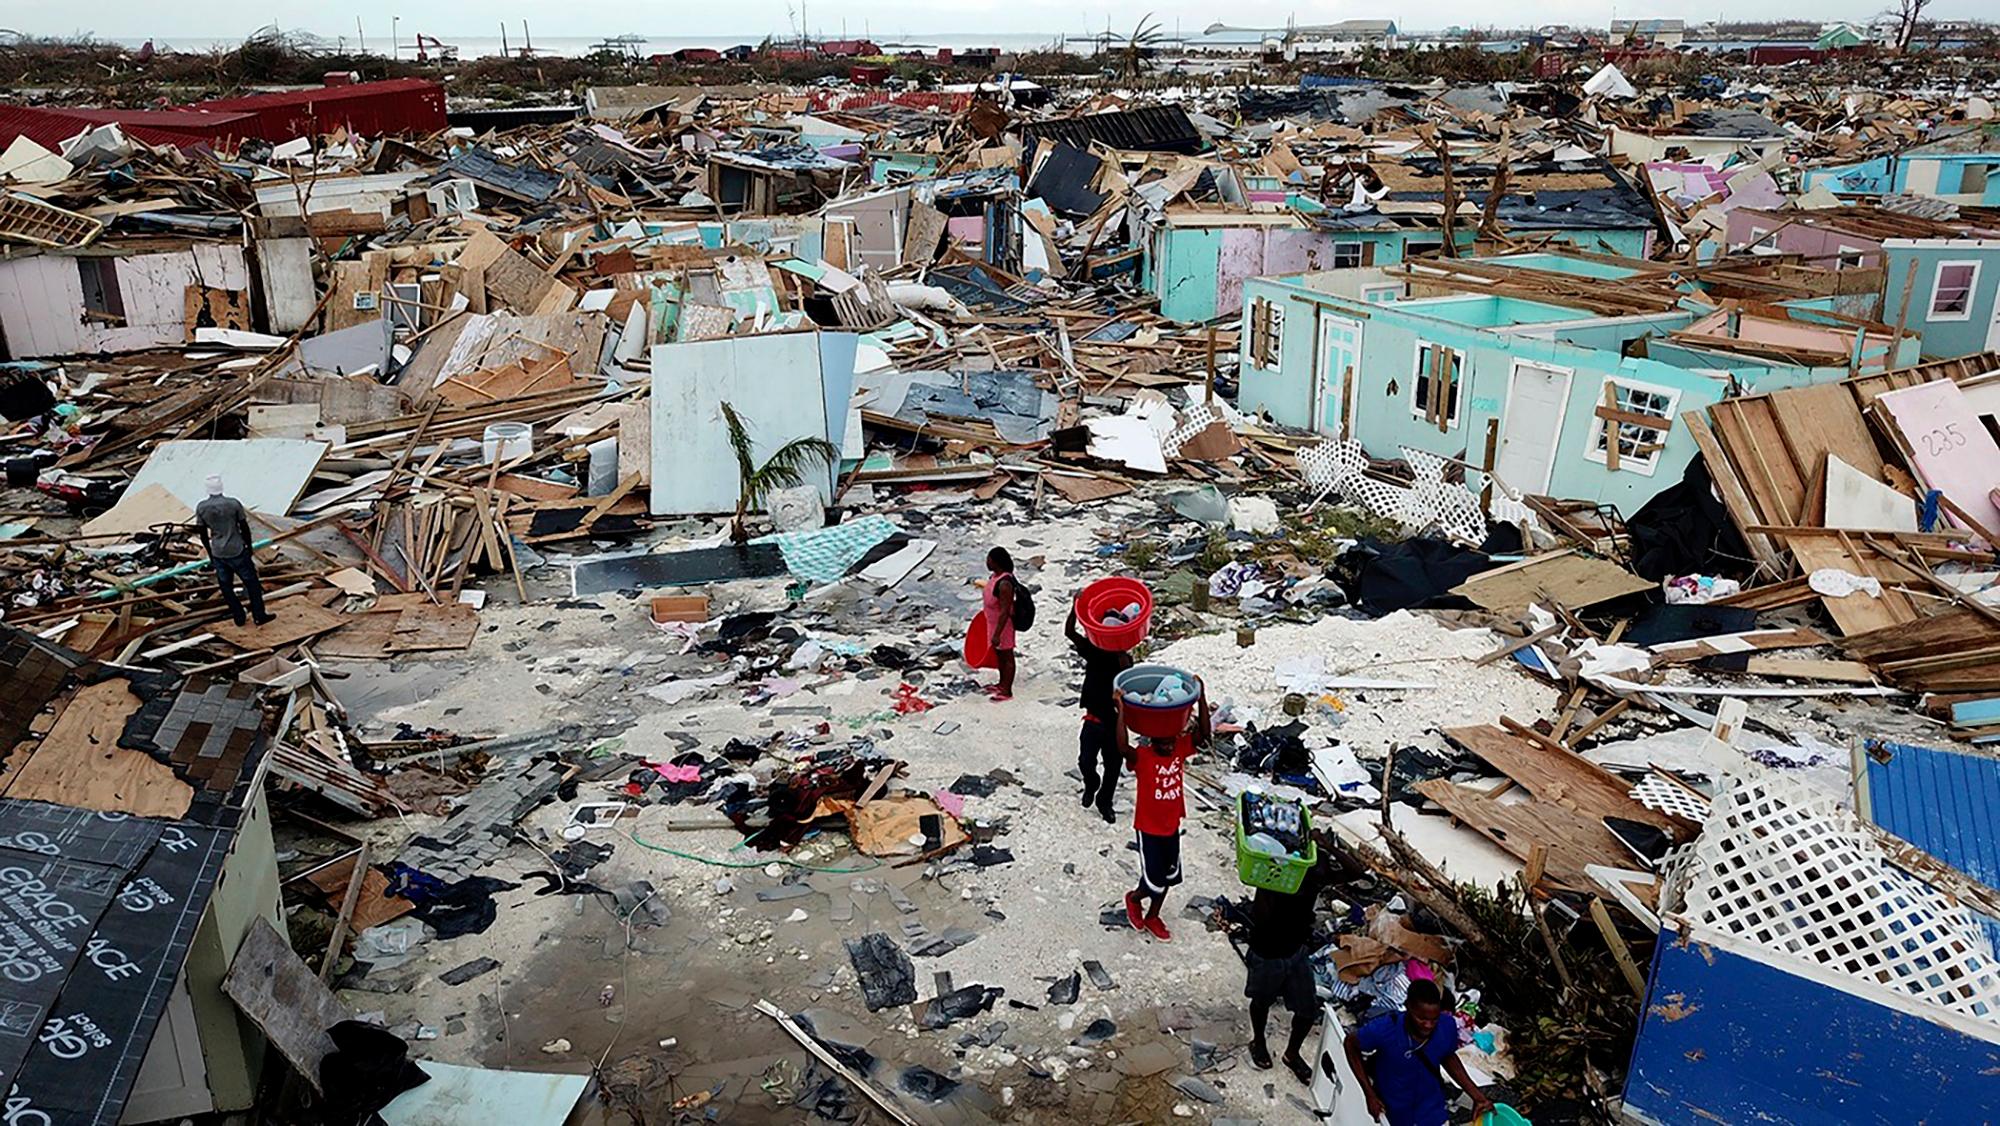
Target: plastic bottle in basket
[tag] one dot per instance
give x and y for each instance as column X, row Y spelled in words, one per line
column 1266, row 844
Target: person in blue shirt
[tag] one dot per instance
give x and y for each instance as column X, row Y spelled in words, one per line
column 1397, row 1055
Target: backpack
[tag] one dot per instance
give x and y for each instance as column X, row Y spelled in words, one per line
column 1024, row 605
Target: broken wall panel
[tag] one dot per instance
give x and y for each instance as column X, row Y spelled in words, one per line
column 784, row 386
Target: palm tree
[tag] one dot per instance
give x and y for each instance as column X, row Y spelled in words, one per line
column 784, row 469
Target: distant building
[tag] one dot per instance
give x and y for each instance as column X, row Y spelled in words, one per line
column 697, row 55
column 1651, row 33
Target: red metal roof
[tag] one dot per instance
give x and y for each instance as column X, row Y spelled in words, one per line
column 398, row 105
column 51, row 127
column 320, row 95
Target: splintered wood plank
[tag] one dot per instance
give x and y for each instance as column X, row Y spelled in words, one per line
column 1746, row 431
column 1558, row 776
column 79, row 762
column 283, row 998
column 1751, row 641
column 1570, row 841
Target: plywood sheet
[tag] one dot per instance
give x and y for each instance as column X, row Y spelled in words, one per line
column 1574, row 580
column 1083, row 490
column 450, row 626
column 79, row 762
column 265, row 474
column 298, row 618
column 138, row 511
column 1854, row 613
column 373, row 907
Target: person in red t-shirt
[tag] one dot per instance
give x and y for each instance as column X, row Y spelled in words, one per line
column 1156, row 766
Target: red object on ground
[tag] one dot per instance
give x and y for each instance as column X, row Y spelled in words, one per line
column 1106, row 595
column 979, row 644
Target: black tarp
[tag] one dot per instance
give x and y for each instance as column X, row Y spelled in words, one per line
column 1381, row 578
column 1684, row 530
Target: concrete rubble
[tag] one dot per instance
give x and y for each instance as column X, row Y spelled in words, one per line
column 1564, row 489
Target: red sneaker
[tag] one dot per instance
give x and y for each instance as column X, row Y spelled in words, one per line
column 1134, row 912
column 1158, row 927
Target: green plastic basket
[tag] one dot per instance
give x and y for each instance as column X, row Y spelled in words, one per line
column 1274, row 873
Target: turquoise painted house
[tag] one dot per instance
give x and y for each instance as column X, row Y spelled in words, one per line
column 1963, row 168
column 1198, row 257
column 1954, row 299
column 1566, row 386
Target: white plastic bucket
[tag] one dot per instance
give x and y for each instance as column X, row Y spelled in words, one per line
column 506, row 441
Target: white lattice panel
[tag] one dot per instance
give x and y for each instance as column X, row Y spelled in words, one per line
column 1329, row 464
column 1425, row 466
column 1780, row 864
column 1658, row 793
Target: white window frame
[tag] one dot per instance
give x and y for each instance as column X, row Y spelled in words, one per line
column 1642, row 464
column 1377, row 294
column 1842, row 252
column 1420, row 370
column 1971, row 291
column 1352, row 250
column 1275, row 318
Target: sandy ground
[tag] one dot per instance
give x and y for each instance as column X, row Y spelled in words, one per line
column 667, row 1011
column 588, row 663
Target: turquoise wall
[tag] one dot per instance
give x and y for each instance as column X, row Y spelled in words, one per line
column 1942, row 339
column 1182, row 264
column 1384, row 419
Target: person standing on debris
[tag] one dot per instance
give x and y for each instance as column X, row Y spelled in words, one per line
column 1095, row 745
column 1159, row 805
column 1278, row 962
column 1404, row 1050
column 225, row 531
column 998, row 597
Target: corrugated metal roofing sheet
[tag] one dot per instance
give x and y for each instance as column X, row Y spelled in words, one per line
column 1944, row 802
column 319, row 95
column 1164, row 128
column 50, row 128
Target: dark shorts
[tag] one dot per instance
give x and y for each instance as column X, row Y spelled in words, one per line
column 1288, row 978
column 1159, row 861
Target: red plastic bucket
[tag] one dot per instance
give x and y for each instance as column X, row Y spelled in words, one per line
column 1103, row 597
column 979, row 644
column 1154, row 721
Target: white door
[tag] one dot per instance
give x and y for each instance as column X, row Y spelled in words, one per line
column 1537, row 397
column 1339, row 351
column 1922, row 178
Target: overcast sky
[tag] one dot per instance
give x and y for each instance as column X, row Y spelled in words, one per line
column 882, row 18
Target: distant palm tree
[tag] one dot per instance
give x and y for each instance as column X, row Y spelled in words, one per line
column 1138, row 47
column 784, row 469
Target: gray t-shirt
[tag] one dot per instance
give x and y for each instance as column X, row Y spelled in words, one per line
column 225, row 526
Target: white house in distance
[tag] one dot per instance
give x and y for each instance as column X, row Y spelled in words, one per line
column 1650, row 33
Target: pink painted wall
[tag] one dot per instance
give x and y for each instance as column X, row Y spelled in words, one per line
column 1818, row 246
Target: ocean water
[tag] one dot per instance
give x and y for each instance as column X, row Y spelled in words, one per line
column 490, row 43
